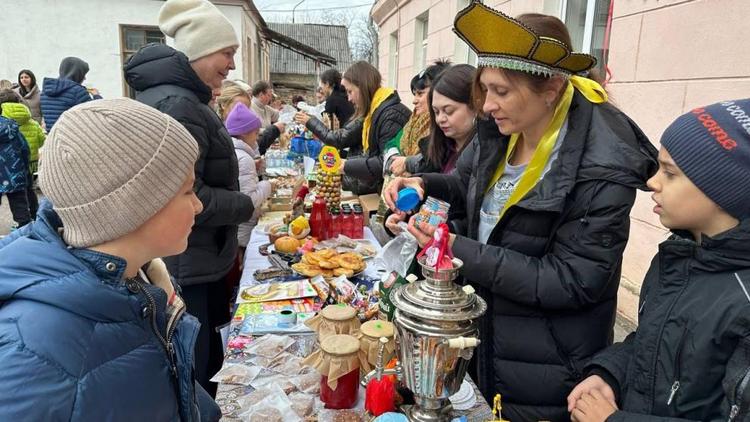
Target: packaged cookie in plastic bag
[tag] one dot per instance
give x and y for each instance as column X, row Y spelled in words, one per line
column 274, row 406
column 270, row 345
column 233, row 373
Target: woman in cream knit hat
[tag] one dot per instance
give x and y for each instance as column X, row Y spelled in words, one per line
column 178, row 81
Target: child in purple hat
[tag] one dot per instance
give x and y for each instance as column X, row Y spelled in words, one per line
column 244, row 125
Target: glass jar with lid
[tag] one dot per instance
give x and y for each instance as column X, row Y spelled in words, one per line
column 338, row 363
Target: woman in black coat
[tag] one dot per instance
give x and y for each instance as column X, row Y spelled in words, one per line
column 180, row 84
column 547, row 186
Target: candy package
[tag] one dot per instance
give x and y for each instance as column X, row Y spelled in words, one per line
column 308, row 382
column 433, row 212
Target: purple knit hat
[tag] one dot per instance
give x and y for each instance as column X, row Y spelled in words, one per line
column 241, row 120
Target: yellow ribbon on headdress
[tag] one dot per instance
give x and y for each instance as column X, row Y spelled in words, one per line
column 381, row 95
column 530, row 177
column 590, row 89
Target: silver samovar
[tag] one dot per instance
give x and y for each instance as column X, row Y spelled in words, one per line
column 437, row 330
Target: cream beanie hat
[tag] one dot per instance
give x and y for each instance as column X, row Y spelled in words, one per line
column 197, row 26
column 109, row 165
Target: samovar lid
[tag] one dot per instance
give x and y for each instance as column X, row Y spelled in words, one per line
column 437, row 297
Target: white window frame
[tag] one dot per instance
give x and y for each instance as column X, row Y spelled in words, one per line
column 588, row 29
column 462, row 52
column 421, row 34
column 393, row 47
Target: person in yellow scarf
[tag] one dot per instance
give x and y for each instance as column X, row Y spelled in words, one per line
column 544, row 194
column 383, row 116
column 406, row 144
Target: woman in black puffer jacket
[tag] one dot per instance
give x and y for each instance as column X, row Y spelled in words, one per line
column 544, row 250
column 179, row 83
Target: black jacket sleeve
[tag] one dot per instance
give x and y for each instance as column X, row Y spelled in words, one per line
column 267, row 138
column 452, row 187
column 349, row 136
column 370, row 169
column 221, row 207
column 622, row 416
column 419, row 163
column 612, row 364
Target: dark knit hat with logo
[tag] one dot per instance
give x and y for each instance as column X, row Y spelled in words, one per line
column 711, row 145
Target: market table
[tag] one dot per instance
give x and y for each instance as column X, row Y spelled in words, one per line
column 229, row 396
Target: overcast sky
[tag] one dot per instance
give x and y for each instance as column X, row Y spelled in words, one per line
column 310, row 10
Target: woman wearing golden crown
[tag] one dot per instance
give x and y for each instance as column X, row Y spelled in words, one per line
column 547, row 186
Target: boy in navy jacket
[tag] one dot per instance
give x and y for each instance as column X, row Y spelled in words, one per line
column 689, row 359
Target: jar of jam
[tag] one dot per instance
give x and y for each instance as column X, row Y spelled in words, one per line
column 337, row 361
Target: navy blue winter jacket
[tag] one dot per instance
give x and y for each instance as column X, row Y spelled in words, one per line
column 14, row 157
column 79, row 342
column 59, row 95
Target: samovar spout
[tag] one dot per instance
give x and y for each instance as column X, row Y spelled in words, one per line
column 397, row 371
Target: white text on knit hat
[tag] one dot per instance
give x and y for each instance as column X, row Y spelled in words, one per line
column 739, row 114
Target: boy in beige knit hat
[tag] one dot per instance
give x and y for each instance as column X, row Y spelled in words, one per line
column 95, row 315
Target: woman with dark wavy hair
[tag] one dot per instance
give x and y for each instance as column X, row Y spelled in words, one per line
column 29, row 91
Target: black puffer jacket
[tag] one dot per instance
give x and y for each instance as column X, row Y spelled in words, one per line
column 693, row 337
column 551, row 268
column 338, row 105
column 419, row 163
column 164, row 80
column 387, row 120
column 267, row 138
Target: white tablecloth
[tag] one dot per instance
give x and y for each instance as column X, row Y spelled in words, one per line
column 254, row 260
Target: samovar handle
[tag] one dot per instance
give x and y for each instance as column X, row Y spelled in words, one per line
column 463, row 342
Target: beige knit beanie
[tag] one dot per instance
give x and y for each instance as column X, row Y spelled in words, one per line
column 110, row 165
column 197, row 26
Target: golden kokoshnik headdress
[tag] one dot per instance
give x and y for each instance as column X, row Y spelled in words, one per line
column 501, row 41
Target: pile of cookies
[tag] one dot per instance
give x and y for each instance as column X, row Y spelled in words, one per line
column 329, row 263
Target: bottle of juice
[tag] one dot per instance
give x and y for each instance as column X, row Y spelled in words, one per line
column 318, row 218
column 358, row 226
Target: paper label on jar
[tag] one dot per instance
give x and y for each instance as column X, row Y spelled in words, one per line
column 329, row 159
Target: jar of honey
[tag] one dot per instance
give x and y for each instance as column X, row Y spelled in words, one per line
column 334, row 319
column 369, row 343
